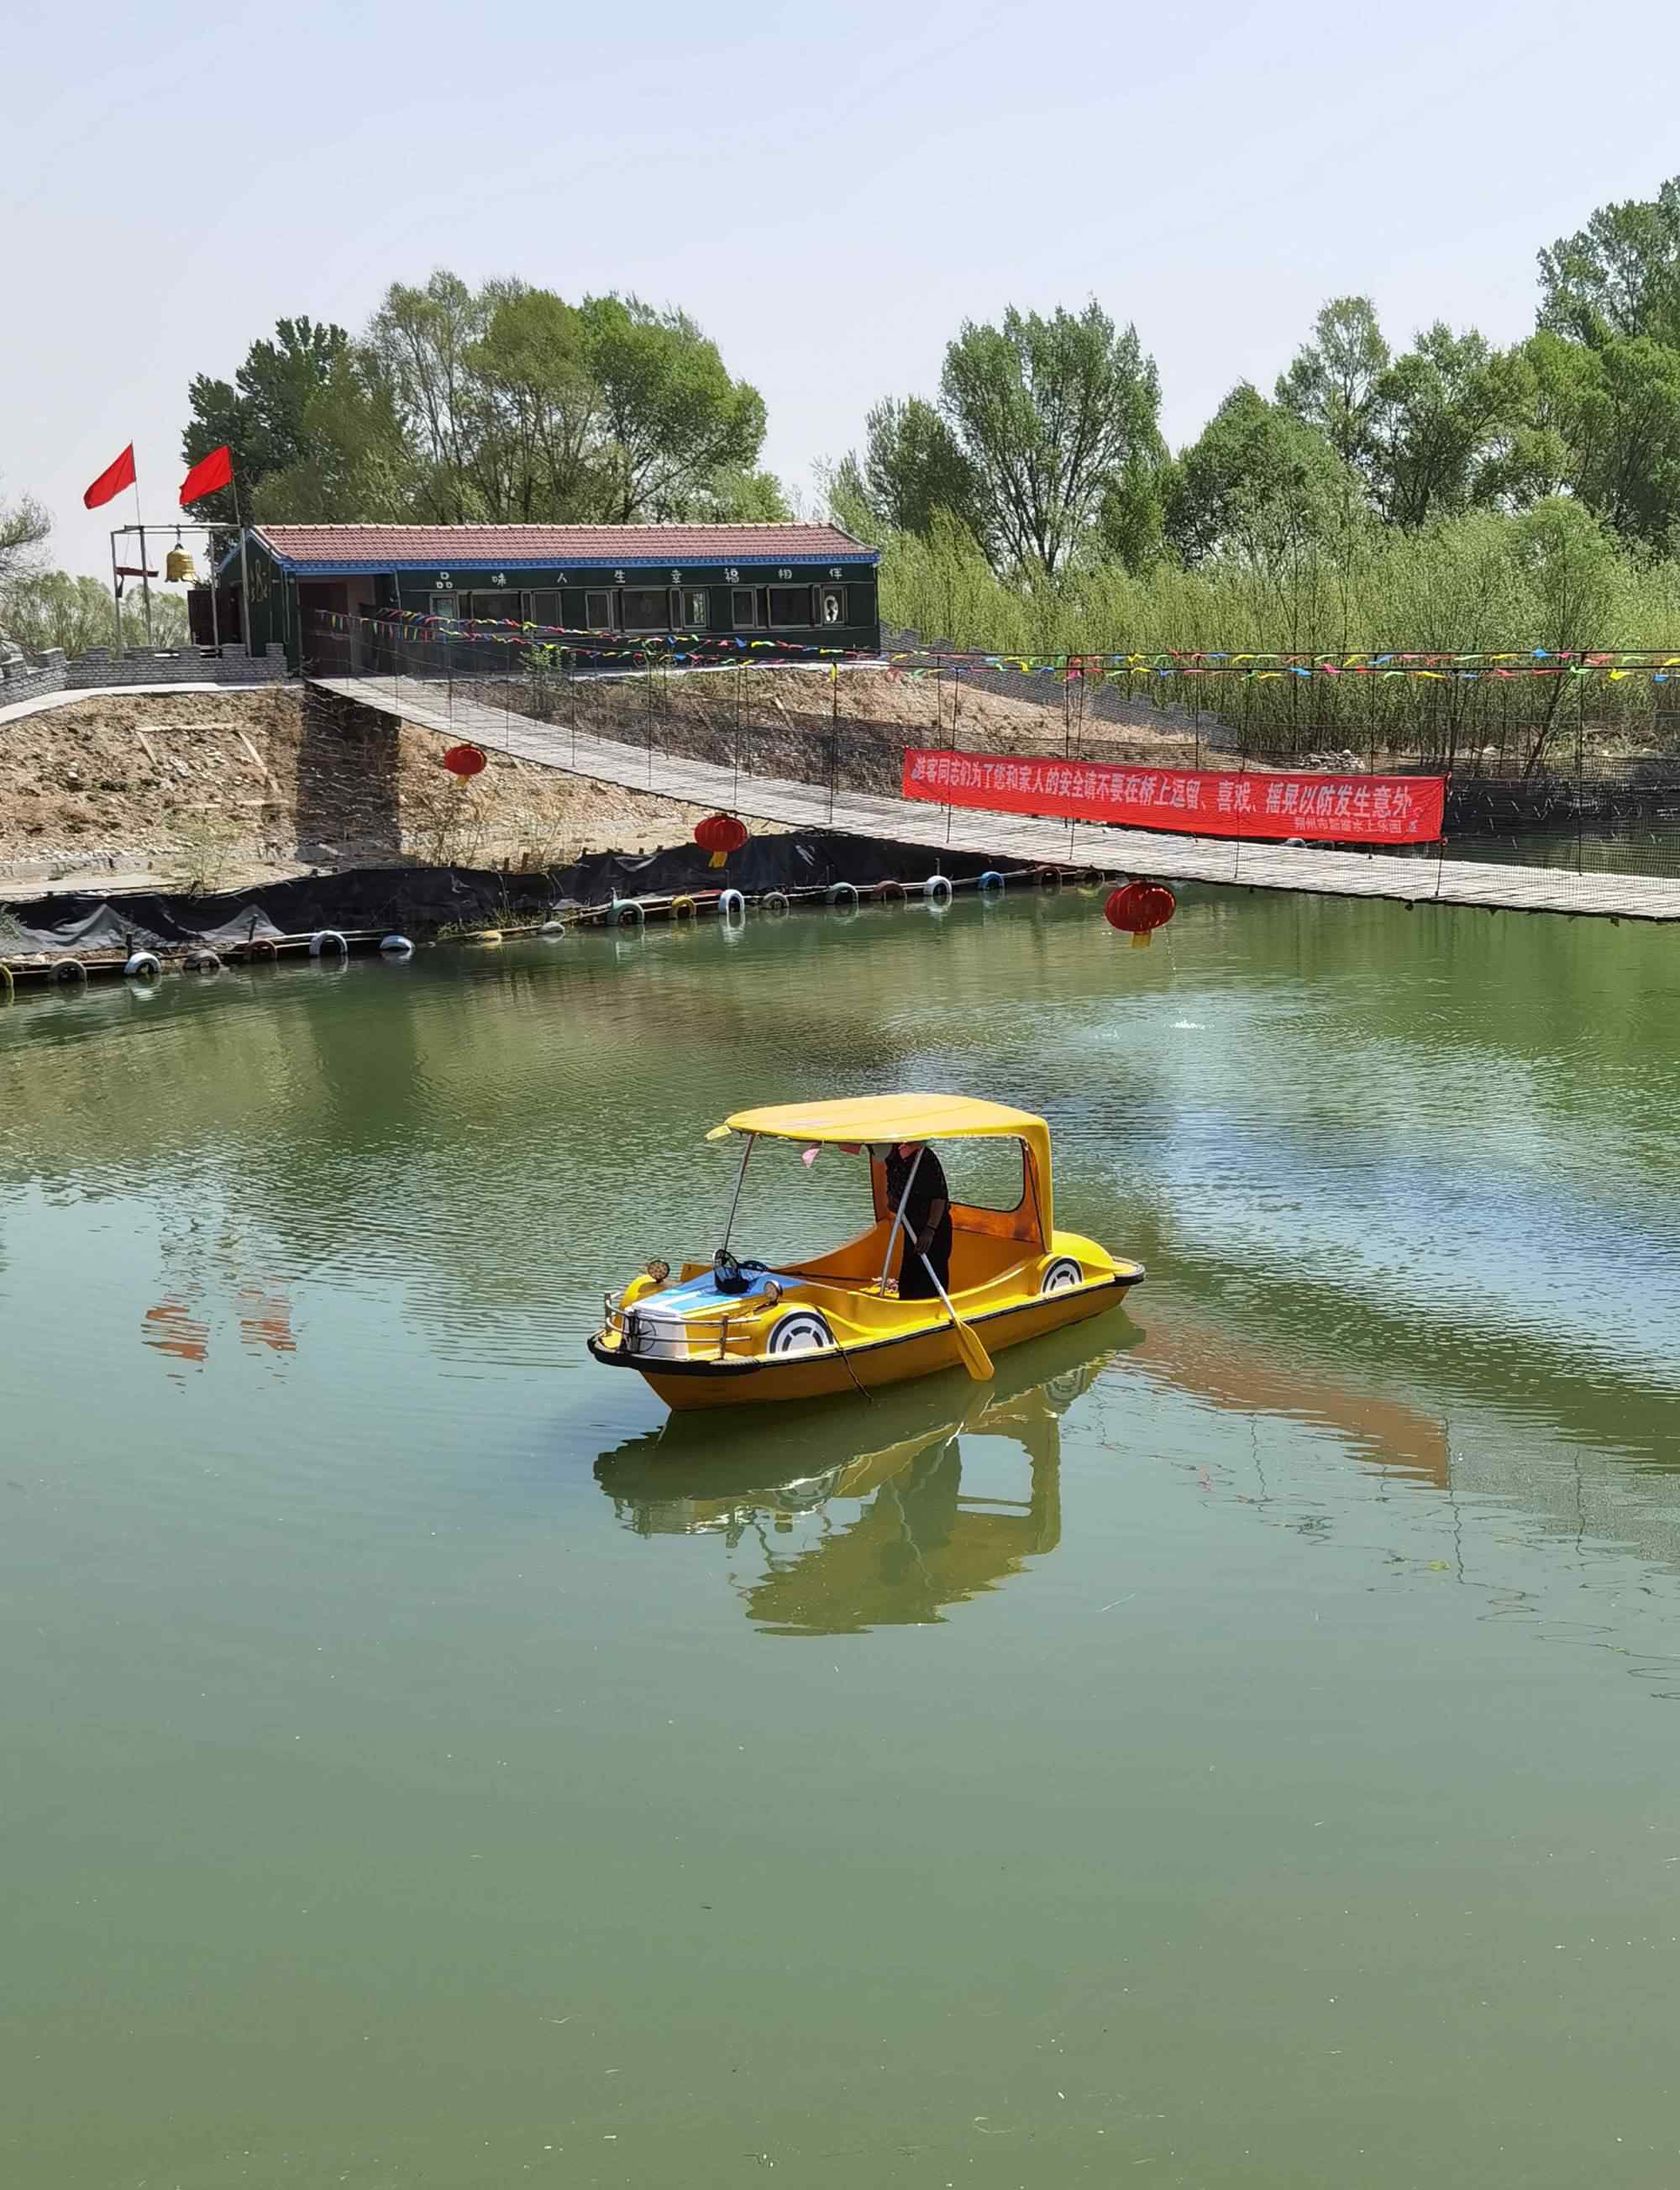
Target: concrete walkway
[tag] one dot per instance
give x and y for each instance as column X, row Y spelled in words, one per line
column 21, row 710
column 1408, row 880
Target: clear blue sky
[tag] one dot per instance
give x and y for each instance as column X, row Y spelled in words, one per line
column 830, row 190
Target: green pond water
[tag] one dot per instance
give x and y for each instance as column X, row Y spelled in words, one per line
column 1241, row 1747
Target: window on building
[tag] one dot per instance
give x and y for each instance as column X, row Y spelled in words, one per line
column 831, row 604
column 598, row 611
column 744, row 607
column 545, row 608
column 645, row 608
column 493, row 607
column 446, row 605
column 693, row 609
column 790, row 608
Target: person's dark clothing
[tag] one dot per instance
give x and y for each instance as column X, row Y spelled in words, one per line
column 929, row 1187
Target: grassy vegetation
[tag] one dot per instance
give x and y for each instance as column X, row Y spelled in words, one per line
column 1550, row 577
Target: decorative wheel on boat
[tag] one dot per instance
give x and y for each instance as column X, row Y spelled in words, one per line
column 801, row 1330
column 1062, row 1276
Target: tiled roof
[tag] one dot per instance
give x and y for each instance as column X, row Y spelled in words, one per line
column 324, row 548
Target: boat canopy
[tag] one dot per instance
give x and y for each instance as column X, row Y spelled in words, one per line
column 874, row 1121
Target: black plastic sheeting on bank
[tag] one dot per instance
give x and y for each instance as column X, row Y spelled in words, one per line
column 419, row 900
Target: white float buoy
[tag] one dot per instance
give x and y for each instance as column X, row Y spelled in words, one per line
column 396, row 947
column 322, row 936
column 730, row 902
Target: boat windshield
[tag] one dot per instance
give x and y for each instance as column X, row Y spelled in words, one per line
column 826, row 1194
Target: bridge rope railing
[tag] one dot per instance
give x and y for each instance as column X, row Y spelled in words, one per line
column 1565, row 761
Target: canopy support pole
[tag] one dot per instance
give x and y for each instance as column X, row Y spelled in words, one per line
column 741, row 1181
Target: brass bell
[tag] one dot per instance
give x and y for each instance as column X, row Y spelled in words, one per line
column 177, row 567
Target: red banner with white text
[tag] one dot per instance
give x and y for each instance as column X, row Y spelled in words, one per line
column 1348, row 809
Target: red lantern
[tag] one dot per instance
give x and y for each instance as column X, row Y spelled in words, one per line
column 465, row 760
column 1138, row 909
column 720, row 834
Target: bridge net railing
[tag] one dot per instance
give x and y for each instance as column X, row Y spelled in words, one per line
column 1581, row 774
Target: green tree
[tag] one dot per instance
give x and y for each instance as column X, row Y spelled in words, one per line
column 50, row 607
column 515, row 406
column 421, row 342
column 1049, row 413
column 911, row 466
column 1331, row 384
column 1620, row 276
column 1439, row 416
column 261, row 416
column 1601, row 422
column 742, row 497
column 1569, row 569
column 1132, row 515
column 357, row 462
column 23, row 526
column 673, row 421
column 537, row 411
column 1256, row 486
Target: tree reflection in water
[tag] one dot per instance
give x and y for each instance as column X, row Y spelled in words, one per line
column 919, row 1543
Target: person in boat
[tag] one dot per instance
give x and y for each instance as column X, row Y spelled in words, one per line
column 926, row 1229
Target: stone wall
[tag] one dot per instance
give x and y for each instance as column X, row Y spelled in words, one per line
column 41, row 674
column 100, row 667
column 49, row 671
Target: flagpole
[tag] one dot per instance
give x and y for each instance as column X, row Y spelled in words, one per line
column 244, row 569
column 215, row 619
column 145, row 582
column 116, row 593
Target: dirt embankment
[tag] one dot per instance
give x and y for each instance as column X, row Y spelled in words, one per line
column 209, row 789
column 219, row 787
column 801, row 723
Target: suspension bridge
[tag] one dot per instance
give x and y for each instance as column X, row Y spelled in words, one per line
column 453, row 709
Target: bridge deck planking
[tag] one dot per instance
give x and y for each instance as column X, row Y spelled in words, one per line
column 1412, row 881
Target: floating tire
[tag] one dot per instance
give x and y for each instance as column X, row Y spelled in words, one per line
column 889, row 893
column 730, row 903
column 325, row 938
column 396, row 947
column 1062, row 1276
column 990, row 883
column 680, row 906
column 626, row 909
column 67, row 968
column 801, row 1330
column 836, row 891
column 772, row 901
column 143, row 965
column 552, row 927
column 938, row 887
column 201, row 962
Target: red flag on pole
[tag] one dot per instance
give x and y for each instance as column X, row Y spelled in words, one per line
column 206, row 475
column 112, row 482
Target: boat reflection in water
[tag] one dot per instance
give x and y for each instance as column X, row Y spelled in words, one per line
column 920, row 1543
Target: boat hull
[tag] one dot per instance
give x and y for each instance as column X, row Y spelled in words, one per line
column 687, row 1387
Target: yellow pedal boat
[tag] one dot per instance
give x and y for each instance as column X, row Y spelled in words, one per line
column 729, row 1333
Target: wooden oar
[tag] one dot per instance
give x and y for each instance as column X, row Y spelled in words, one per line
column 975, row 1359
